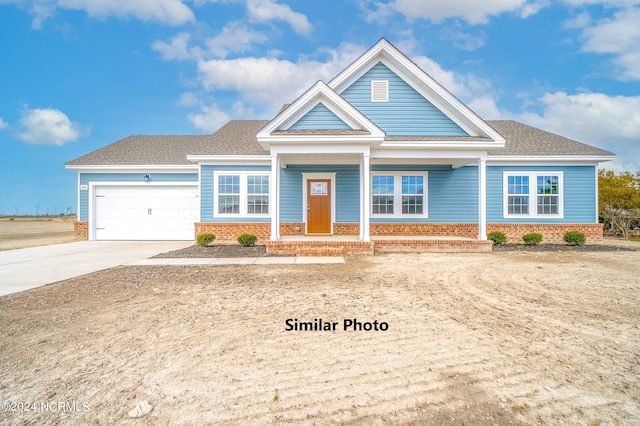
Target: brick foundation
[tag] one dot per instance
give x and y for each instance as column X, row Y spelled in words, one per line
column 81, row 230
column 289, row 228
column 228, row 232
column 551, row 233
column 346, row 228
column 465, row 230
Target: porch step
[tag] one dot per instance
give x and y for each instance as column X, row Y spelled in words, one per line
column 319, row 248
column 433, row 245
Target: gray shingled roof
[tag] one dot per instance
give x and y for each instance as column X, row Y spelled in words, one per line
column 238, row 137
column 521, row 139
column 234, row 138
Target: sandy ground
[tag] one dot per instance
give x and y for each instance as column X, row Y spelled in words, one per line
column 15, row 234
column 501, row 338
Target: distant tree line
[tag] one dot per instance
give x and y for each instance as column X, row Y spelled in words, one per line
column 619, row 202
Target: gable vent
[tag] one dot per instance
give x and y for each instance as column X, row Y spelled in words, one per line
column 379, row 91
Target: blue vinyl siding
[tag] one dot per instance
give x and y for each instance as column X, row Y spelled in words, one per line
column 579, row 194
column 452, row 193
column 406, row 114
column 86, row 178
column 320, row 118
column 206, row 192
column 347, row 191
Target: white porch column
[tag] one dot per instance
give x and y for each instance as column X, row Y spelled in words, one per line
column 366, row 189
column 274, row 197
column 362, row 185
column 482, row 198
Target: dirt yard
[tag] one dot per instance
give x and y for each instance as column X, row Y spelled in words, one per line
column 501, row 338
column 15, row 234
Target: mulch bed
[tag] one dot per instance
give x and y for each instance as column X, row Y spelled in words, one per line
column 559, row 247
column 235, row 250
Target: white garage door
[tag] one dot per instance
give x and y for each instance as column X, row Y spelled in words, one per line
column 145, row 212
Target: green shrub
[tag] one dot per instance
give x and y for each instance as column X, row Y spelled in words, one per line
column 205, row 239
column 247, row 240
column 497, row 237
column 532, row 239
column 574, row 238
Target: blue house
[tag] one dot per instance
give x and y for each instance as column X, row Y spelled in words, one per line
column 382, row 157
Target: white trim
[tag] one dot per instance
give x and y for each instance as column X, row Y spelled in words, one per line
column 78, row 207
column 542, row 160
column 92, row 199
column 397, row 196
column 482, row 199
column 230, row 159
column 242, row 195
column 533, row 194
column 273, row 197
column 425, row 85
column 305, row 178
column 597, row 212
column 366, row 174
column 335, row 103
column 133, row 168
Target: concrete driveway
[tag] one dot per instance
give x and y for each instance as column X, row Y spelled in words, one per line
column 28, row 268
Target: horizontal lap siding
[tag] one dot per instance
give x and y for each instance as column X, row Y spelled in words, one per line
column 347, row 191
column 452, row 193
column 406, row 113
column 86, row 178
column 579, row 193
column 320, row 118
column 206, row 192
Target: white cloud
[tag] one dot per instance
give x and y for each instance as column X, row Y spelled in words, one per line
column 171, row 12
column 211, row 117
column 270, row 10
column 235, row 37
column 609, row 122
column 270, row 81
column 177, row 48
column 3, row 124
column 48, row 126
column 619, row 36
column 474, row 12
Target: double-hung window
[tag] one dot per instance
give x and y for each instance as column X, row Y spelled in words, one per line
column 398, row 194
column 241, row 194
column 533, row 194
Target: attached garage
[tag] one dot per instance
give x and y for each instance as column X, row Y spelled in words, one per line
column 145, row 212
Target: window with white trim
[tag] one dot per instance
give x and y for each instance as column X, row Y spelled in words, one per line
column 398, row 194
column 379, row 91
column 241, row 194
column 533, row 194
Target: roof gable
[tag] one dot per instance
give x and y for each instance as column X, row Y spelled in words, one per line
column 320, row 118
column 284, row 127
column 406, row 112
column 387, row 54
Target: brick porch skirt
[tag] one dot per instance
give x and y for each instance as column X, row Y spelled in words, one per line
column 228, row 232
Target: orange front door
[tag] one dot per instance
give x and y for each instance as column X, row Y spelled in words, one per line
column 319, row 206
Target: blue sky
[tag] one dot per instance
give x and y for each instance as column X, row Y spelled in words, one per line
column 76, row 75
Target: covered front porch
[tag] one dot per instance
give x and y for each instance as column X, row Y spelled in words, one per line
column 347, row 178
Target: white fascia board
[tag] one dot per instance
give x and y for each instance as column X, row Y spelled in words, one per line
column 323, row 140
column 363, row 149
column 432, row 154
column 426, row 86
column 230, row 159
column 135, row 168
column 441, row 144
column 336, row 104
column 542, row 160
